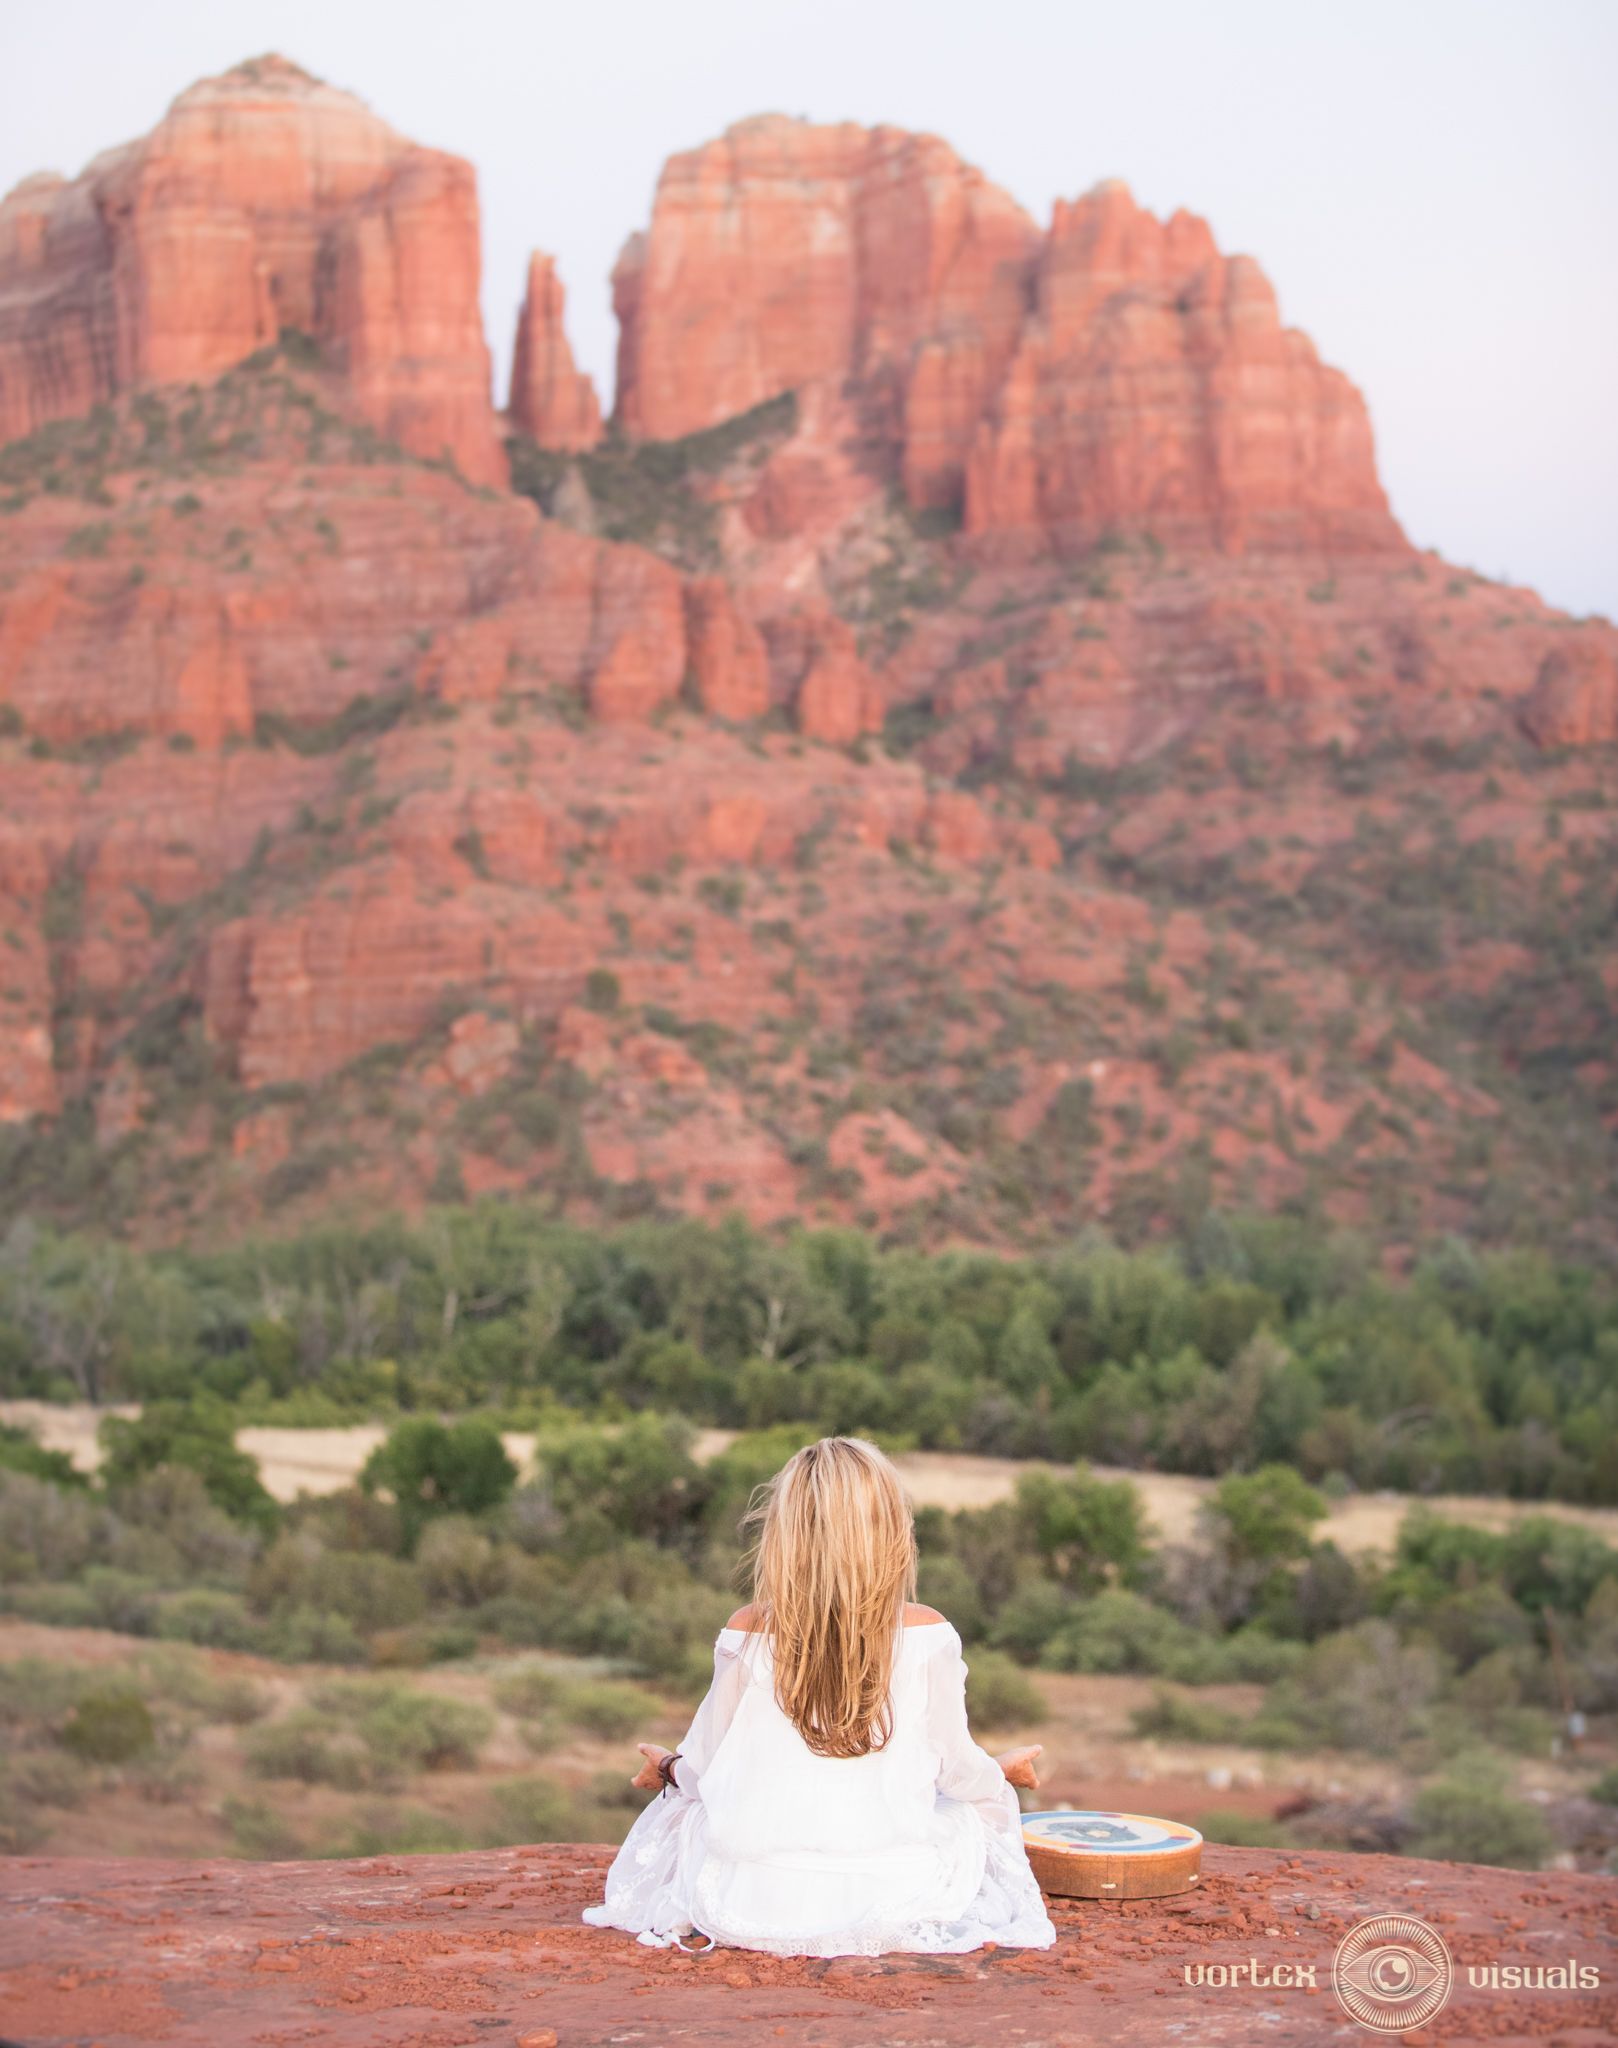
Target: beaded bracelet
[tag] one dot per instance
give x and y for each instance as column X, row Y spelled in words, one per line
column 665, row 1771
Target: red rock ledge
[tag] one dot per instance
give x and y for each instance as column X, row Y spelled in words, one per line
column 440, row 1951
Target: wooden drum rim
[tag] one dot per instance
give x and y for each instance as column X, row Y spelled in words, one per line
column 1077, row 1853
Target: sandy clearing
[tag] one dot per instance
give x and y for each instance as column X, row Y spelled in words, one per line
column 291, row 1461
column 294, row 1461
column 1362, row 1521
column 317, row 1461
column 72, row 1429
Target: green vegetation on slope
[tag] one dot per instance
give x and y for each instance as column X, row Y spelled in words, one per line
column 1450, row 1660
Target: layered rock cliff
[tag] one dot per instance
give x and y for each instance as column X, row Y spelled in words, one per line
column 712, row 822
column 1115, row 372
column 263, row 201
column 1155, row 387
column 784, row 254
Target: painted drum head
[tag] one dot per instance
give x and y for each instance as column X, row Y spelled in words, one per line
column 1111, row 1855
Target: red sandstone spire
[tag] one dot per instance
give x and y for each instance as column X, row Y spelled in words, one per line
column 552, row 401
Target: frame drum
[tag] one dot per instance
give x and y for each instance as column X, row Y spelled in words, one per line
column 1111, row 1855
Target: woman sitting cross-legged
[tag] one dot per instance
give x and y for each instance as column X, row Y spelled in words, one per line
column 828, row 1800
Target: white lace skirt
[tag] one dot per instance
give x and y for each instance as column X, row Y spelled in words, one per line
column 969, row 1884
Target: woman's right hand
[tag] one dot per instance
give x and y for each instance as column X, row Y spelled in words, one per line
column 1018, row 1765
column 647, row 1778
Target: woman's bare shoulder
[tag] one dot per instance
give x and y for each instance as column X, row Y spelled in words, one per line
column 742, row 1619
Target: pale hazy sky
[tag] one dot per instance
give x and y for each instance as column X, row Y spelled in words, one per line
column 1432, row 185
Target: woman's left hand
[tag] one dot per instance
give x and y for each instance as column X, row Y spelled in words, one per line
column 1018, row 1765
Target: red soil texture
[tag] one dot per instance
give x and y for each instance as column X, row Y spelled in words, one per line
column 321, row 744
column 489, row 1947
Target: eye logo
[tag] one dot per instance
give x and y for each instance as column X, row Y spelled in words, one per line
column 1392, row 1973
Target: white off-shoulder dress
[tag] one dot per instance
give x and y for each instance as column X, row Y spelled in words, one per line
column 761, row 1844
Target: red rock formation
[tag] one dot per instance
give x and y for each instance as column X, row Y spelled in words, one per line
column 1155, row 386
column 606, row 620
column 638, row 648
column 838, row 698
column 727, row 653
column 1574, row 701
column 785, row 253
column 441, row 867
column 1118, row 373
column 312, row 989
column 552, row 401
column 401, row 575
column 264, row 200
column 29, row 1085
column 956, row 827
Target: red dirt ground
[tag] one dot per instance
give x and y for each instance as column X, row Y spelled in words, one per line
column 443, row 1951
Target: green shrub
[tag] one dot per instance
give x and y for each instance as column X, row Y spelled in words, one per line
column 44, row 1777
column 405, row 1728
column 46, row 1532
column 529, row 1692
column 125, row 1601
column 1000, row 1694
column 457, row 1564
column 32, row 1690
column 396, row 1830
column 945, row 1583
column 601, row 990
column 1175, row 1718
column 1273, row 1731
column 181, row 1678
column 1460, row 1822
column 1253, row 1657
column 1361, row 1689
column 55, row 1606
column 1086, row 1529
column 449, row 1642
column 167, row 1777
column 259, row 1832
column 219, row 1620
column 312, row 1747
column 109, row 1727
column 1267, row 1515
column 515, row 1620
column 1030, row 1620
column 1239, row 1830
column 533, row 1809
column 307, row 1636
column 1118, row 1632
column 431, row 1469
column 21, row 1828
column 367, row 1589
column 20, row 1451
column 608, row 1711
column 198, row 1435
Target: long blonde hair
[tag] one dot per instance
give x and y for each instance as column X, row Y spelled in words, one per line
column 835, row 1564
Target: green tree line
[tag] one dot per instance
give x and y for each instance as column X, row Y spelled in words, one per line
column 1258, row 1340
